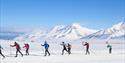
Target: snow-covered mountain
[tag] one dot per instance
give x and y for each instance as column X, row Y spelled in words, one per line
column 115, row 32
column 69, row 32
column 73, row 31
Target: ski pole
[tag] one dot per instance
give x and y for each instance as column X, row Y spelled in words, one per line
column 42, row 49
column 10, row 49
column 83, row 46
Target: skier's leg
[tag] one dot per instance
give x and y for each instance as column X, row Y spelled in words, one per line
column 69, row 50
column 16, row 52
column 48, row 52
column 66, row 50
column 110, row 50
column 2, row 54
column 28, row 51
column 45, row 52
column 88, row 51
column 62, row 51
column 0, row 51
column 20, row 52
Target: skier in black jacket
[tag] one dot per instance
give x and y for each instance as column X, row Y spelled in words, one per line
column 69, row 48
column 64, row 48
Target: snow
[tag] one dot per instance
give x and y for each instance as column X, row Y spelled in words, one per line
column 120, row 25
column 74, row 32
column 98, row 50
column 116, row 31
column 71, row 32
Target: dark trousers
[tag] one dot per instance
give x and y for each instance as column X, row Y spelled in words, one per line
column 27, row 51
column 18, row 50
column 46, row 51
column 87, row 51
column 110, row 50
column 69, row 50
column 1, row 54
column 64, row 50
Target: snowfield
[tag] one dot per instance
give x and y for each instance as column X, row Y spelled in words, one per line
column 98, row 53
column 74, row 32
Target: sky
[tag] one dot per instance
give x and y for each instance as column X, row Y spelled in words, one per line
column 28, row 14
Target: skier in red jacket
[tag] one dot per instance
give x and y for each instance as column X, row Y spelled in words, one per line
column 17, row 48
column 27, row 48
column 87, row 47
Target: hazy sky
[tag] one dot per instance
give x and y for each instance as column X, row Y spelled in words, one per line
column 28, row 14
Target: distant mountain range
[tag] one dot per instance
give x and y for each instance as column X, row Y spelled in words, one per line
column 9, row 35
column 115, row 32
column 76, row 31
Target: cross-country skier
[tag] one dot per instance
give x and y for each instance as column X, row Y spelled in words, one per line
column 110, row 48
column 46, row 45
column 17, row 48
column 64, row 48
column 87, row 48
column 1, row 52
column 26, row 46
column 69, row 48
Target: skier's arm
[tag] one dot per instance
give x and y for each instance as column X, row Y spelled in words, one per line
column 42, row 45
column 13, row 45
column 48, row 45
column 83, row 44
column 24, row 46
column 108, row 46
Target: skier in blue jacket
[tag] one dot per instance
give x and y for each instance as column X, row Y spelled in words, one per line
column 46, row 46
